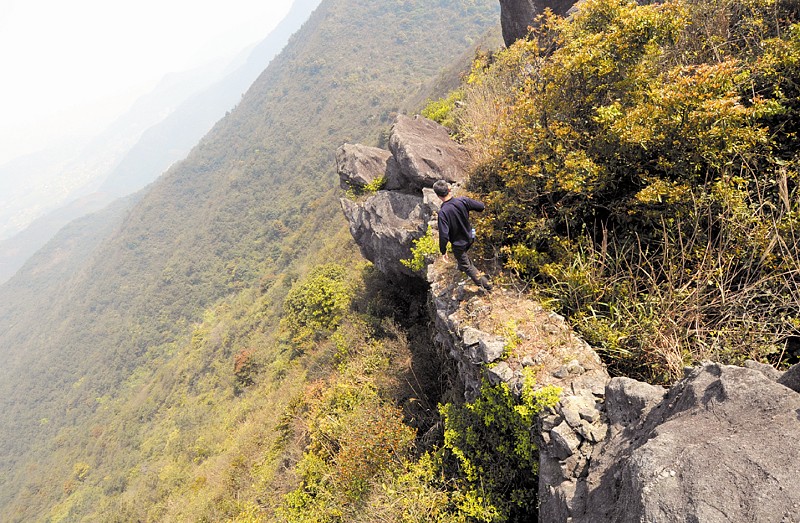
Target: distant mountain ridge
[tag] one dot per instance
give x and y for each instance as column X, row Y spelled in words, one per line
column 157, row 147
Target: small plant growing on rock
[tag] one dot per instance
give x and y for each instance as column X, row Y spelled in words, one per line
column 375, row 185
column 492, row 444
column 357, row 191
column 423, row 250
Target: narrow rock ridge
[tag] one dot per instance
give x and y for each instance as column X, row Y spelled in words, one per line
column 386, row 223
column 723, row 444
column 492, row 336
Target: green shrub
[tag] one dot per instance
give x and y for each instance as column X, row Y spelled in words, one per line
column 315, row 304
column 423, row 250
column 639, row 165
column 497, row 460
column 441, row 111
column 354, row 434
column 375, row 185
column 356, row 191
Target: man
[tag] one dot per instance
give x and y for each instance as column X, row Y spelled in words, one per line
column 454, row 228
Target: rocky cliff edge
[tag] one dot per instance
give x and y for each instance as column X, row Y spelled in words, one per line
column 723, row 444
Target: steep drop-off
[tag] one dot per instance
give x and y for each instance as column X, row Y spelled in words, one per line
column 252, row 199
column 716, row 446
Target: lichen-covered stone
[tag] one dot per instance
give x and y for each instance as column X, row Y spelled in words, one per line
column 426, row 153
column 360, row 165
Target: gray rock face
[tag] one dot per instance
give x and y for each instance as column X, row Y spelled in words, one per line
column 767, row 370
column 426, row 153
column 629, row 401
column 791, row 379
column 384, row 227
column 385, row 224
column 359, row 165
column 517, row 15
column 722, row 445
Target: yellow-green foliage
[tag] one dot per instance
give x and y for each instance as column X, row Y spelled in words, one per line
column 493, row 443
column 354, row 433
column 315, row 304
column 642, row 168
column 424, row 248
column 375, row 185
column 441, row 111
column 356, row 191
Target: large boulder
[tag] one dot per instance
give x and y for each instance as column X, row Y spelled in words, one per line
column 515, row 18
column 517, row 15
column 723, row 445
column 360, row 165
column 426, row 153
column 385, row 225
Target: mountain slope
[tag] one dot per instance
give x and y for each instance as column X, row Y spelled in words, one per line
column 253, row 198
column 191, row 115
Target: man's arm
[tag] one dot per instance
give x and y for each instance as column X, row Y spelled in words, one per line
column 444, row 232
column 474, row 205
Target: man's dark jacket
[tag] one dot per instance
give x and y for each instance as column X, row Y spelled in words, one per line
column 454, row 224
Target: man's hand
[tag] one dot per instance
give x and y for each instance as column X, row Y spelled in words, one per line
column 444, row 257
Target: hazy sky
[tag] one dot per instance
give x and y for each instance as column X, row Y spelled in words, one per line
column 73, row 66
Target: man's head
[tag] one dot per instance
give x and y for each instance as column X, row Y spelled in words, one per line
column 441, row 188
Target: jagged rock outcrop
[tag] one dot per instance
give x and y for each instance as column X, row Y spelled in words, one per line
column 426, row 153
column 360, row 165
column 723, row 444
column 384, row 227
column 517, row 15
column 386, row 223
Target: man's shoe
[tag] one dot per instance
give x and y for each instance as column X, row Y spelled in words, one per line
column 485, row 283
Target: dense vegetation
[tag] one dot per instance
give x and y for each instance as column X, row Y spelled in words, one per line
column 640, row 167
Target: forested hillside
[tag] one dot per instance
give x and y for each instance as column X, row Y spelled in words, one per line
column 226, row 355
column 163, row 142
column 99, row 333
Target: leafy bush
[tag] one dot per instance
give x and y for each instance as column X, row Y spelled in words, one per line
column 315, row 304
column 245, row 369
column 353, row 431
column 424, row 248
column 639, row 164
column 441, row 111
column 492, row 442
